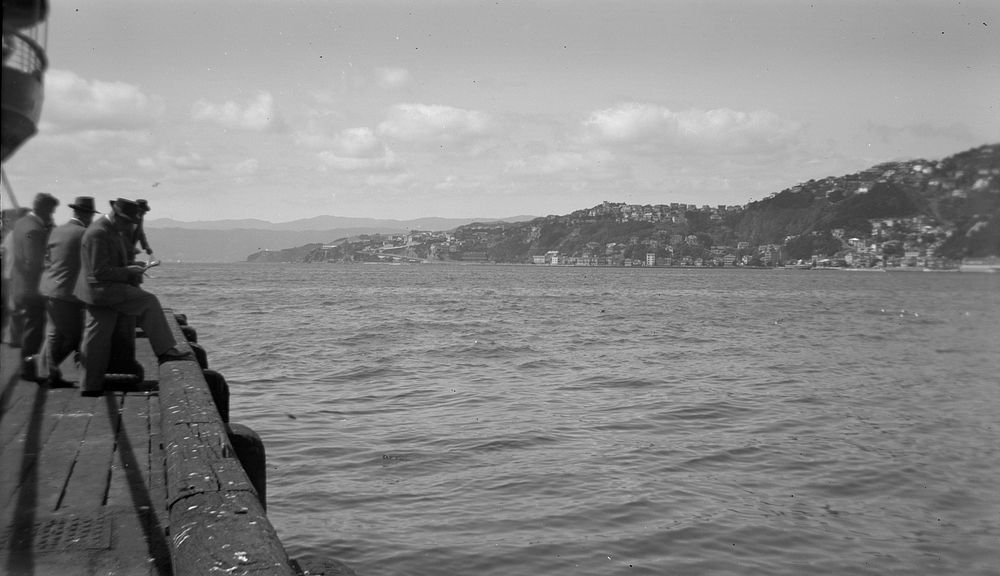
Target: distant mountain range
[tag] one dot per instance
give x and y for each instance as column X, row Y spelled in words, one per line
column 232, row 240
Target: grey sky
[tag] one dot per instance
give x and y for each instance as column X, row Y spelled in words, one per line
column 288, row 109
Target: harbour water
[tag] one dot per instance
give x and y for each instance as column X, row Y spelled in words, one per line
column 492, row 420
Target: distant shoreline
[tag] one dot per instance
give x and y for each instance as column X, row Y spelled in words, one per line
column 901, row 269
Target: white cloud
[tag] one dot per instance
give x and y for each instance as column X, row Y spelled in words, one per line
column 394, row 180
column 383, row 162
column 450, row 182
column 258, row 115
column 247, row 167
column 165, row 161
column 355, row 149
column 84, row 140
column 312, row 138
column 323, row 127
column 651, row 128
column 75, row 104
column 434, row 124
column 454, row 184
column 356, row 143
column 392, row 78
column 559, row 162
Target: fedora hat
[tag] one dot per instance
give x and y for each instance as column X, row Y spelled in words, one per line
column 126, row 209
column 83, row 204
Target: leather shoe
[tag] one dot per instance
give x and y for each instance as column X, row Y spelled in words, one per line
column 175, row 354
column 28, row 371
column 56, row 381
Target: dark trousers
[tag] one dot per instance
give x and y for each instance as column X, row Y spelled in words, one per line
column 30, row 311
column 6, row 313
column 100, row 326
column 65, row 331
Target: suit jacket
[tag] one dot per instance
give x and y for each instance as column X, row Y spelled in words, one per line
column 30, row 235
column 140, row 236
column 103, row 260
column 62, row 261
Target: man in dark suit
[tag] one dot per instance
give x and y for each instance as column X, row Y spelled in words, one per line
column 140, row 234
column 31, row 232
column 62, row 266
column 108, row 284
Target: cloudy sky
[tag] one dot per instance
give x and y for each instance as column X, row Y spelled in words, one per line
column 287, row 109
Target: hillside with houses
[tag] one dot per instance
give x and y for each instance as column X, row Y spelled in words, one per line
column 915, row 213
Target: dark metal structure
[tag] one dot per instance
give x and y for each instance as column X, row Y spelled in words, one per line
column 24, row 64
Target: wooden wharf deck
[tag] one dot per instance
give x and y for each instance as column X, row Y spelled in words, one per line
column 140, row 482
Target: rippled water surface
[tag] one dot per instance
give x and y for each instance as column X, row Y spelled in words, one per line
column 478, row 420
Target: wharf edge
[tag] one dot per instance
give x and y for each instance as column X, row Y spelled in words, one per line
column 140, row 482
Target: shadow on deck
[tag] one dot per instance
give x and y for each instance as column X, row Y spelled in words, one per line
column 152, row 481
column 81, row 479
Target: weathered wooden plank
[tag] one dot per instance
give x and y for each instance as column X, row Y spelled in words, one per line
column 26, row 403
column 213, row 537
column 32, row 505
column 21, row 446
column 129, row 503
column 138, row 514
column 136, row 450
column 87, row 485
column 83, row 537
column 157, row 467
column 138, row 551
column 34, row 407
column 159, row 518
column 198, row 453
column 199, row 459
column 131, row 456
column 189, row 399
column 16, row 404
column 55, row 462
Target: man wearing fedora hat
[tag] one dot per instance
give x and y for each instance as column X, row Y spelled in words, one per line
column 62, row 266
column 108, row 284
column 31, row 232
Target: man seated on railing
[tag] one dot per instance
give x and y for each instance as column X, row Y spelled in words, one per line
column 108, row 283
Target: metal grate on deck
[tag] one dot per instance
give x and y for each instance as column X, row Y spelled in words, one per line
column 63, row 533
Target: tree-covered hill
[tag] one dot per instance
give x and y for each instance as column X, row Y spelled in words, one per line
column 958, row 197
column 958, row 191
